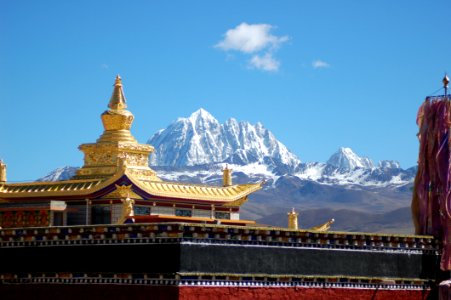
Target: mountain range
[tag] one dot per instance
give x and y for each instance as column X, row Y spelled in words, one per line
column 195, row 149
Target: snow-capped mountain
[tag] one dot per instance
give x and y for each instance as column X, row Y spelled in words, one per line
column 63, row 173
column 346, row 159
column 345, row 167
column 200, row 139
column 196, row 148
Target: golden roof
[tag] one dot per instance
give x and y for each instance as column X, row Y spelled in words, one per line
column 198, row 192
column 46, row 189
column 86, row 187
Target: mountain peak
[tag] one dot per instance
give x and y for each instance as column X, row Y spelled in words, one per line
column 389, row 164
column 346, row 151
column 346, row 159
column 201, row 114
column 201, row 139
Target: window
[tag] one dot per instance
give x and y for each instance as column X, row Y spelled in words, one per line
column 183, row 212
column 58, row 218
column 76, row 215
column 222, row 215
column 141, row 210
column 101, row 214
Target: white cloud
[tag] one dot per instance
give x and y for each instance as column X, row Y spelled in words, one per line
column 256, row 42
column 265, row 62
column 319, row 64
column 250, row 38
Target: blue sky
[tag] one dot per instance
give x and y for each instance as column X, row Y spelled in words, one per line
column 318, row 74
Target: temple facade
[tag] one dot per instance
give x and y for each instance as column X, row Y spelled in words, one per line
column 116, row 174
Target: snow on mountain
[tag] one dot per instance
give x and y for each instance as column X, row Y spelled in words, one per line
column 347, row 168
column 346, row 159
column 201, row 139
column 63, row 173
column 389, row 164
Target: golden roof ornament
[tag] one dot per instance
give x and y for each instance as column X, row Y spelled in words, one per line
column 323, row 227
column 117, row 121
column 293, row 219
column 127, row 210
column 117, row 100
column 2, row 171
column 227, row 176
column 116, row 150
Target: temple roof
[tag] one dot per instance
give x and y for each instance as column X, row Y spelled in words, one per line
column 86, row 188
column 198, row 192
column 50, row 188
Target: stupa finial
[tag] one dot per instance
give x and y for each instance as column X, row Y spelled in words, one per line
column 116, row 150
column 117, row 101
column 117, row 120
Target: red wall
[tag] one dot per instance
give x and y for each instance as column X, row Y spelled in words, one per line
column 273, row 293
column 142, row 292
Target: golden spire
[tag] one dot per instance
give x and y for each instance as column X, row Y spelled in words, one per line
column 117, row 101
column 117, row 121
column 2, row 171
column 116, row 150
column 293, row 219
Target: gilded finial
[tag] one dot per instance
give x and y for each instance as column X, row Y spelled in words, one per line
column 293, row 219
column 227, row 176
column 118, row 80
column 117, row 101
column 116, row 150
column 2, row 171
column 117, row 120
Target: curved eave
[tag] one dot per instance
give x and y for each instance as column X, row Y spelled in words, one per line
column 183, row 191
column 172, row 190
column 64, row 188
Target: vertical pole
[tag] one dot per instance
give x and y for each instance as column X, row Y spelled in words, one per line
column 445, row 84
column 87, row 211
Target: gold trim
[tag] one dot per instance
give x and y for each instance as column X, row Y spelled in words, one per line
column 238, row 202
column 123, row 191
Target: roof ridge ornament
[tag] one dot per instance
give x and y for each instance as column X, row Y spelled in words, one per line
column 2, row 171
column 293, row 219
